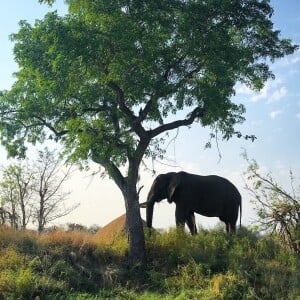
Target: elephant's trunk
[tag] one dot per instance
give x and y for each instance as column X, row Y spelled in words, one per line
column 149, row 213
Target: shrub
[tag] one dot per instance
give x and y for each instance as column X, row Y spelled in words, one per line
column 10, row 259
column 210, row 248
column 25, row 282
column 277, row 207
column 17, row 284
column 192, row 275
column 28, row 244
column 228, row 286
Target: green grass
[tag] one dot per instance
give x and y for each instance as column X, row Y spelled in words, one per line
column 211, row 265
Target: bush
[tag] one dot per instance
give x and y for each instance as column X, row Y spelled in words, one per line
column 192, row 275
column 228, row 286
column 277, row 207
column 17, row 284
column 10, row 259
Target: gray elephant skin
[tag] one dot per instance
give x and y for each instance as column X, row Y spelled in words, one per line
column 210, row 196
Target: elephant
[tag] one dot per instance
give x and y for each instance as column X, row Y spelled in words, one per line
column 210, row 196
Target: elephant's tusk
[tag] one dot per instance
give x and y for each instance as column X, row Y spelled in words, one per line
column 143, row 205
column 140, row 190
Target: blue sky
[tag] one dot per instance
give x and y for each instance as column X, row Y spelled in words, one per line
column 273, row 115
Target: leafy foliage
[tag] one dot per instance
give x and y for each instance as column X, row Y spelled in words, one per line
column 102, row 76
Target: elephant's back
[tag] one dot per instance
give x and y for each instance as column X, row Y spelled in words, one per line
column 224, row 185
column 215, row 185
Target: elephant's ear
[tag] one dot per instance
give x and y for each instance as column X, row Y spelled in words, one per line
column 172, row 189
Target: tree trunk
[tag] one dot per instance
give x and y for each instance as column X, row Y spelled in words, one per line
column 23, row 212
column 40, row 216
column 134, row 225
column 127, row 185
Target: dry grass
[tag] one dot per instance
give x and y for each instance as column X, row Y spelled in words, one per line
column 112, row 231
column 9, row 236
column 106, row 236
column 74, row 238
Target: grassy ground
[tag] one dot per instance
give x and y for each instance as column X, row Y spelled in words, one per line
column 73, row 265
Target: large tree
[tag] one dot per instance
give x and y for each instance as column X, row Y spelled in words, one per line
column 109, row 79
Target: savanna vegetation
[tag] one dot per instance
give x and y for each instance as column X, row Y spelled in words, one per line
column 211, row 265
column 262, row 263
column 110, row 79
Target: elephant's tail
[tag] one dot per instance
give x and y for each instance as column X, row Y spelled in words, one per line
column 241, row 214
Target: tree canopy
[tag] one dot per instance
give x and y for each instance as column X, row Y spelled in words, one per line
column 110, row 77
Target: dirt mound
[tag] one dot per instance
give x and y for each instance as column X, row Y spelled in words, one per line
column 113, row 230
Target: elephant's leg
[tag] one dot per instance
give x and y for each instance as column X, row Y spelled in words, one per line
column 191, row 223
column 232, row 227
column 223, row 219
column 180, row 216
column 227, row 227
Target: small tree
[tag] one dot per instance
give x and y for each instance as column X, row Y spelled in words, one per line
column 111, row 78
column 278, row 210
column 16, row 193
column 33, row 192
column 50, row 198
column 8, row 205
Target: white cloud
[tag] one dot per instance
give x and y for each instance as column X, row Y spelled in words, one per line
column 263, row 94
column 275, row 113
column 296, row 59
column 272, row 91
column 243, row 89
column 292, row 63
column 291, row 60
column 277, row 95
column 298, row 116
column 268, row 91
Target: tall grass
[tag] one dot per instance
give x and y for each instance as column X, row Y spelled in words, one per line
column 211, row 265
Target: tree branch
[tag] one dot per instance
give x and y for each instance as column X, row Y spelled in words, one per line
column 134, row 121
column 111, row 169
column 49, row 126
column 121, row 101
column 144, row 112
column 198, row 112
column 275, row 187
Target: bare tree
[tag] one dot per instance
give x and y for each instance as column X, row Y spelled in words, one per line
column 4, row 215
column 7, row 201
column 16, row 193
column 278, row 209
column 50, row 202
column 33, row 192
